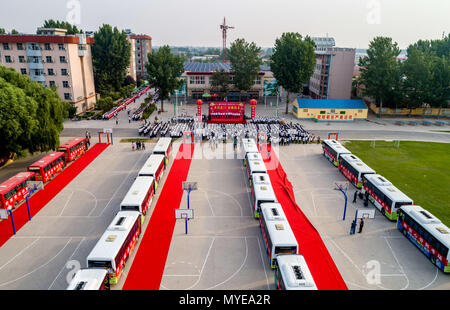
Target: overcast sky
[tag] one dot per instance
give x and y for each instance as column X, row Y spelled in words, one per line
column 353, row 23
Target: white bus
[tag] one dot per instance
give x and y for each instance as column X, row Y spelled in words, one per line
column 248, row 146
column 292, row 273
column 426, row 232
column 262, row 191
column 386, row 197
column 271, row 212
column 90, row 280
column 332, row 150
column 255, row 166
column 354, row 169
column 278, row 239
column 153, row 167
column 139, row 196
column 115, row 245
column 163, row 147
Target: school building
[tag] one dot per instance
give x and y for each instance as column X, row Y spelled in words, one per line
column 329, row 109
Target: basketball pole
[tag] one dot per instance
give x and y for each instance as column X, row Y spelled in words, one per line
column 345, row 196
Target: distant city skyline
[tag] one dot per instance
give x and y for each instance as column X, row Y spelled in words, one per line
column 353, row 23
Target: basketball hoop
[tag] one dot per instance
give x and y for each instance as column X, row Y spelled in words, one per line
column 341, row 186
column 333, row 135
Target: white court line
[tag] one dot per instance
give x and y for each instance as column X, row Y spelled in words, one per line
column 398, row 263
column 18, row 254
column 209, row 202
column 262, row 261
column 64, row 267
column 237, row 271
column 204, row 263
column 67, row 201
column 36, row 269
column 133, row 170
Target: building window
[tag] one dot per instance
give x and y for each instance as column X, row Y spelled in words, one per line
column 305, row 110
column 8, row 59
column 21, row 59
column 23, row 71
column 322, row 112
column 257, row 80
column 64, row 72
column 62, row 59
column 48, row 59
column 52, row 83
column 342, row 112
column 35, row 47
column 333, row 111
column 360, row 111
column 51, row 72
column 65, row 84
column 6, row 46
column 61, row 47
column 20, row 46
column 67, row 96
column 47, row 47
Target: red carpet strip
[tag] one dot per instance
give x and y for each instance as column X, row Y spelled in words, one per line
column 51, row 189
column 150, row 260
column 322, row 267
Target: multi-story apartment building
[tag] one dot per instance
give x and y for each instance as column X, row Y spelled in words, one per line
column 333, row 73
column 54, row 59
column 143, row 47
column 131, row 70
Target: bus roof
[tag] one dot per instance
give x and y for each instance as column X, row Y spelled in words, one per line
column 295, row 272
column 250, row 147
column 377, row 180
column 72, row 142
column 336, row 146
column 260, row 178
column 272, row 211
column 254, row 156
column 281, row 234
column 151, row 165
column 43, row 162
column 15, row 180
column 138, row 191
column 113, row 238
column 433, row 225
column 394, row 193
column 93, row 279
column 264, row 192
column 162, row 145
column 357, row 163
column 257, row 166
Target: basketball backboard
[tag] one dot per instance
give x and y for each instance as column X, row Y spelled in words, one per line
column 184, row 214
column 192, row 186
column 365, row 213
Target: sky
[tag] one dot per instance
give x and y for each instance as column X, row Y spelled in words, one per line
column 352, row 23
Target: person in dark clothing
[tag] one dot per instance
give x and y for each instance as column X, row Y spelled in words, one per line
column 361, row 225
column 353, row 227
column 355, row 196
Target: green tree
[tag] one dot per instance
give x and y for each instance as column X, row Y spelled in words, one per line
column 31, row 116
column 111, row 57
column 245, row 63
column 220, row 81
column 164, row 70
column 292, row 62
column 380, row 70
column 71, row 29
column 14, row 31
column 2, row 31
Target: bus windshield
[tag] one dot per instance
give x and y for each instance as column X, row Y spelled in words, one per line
column 99, row 264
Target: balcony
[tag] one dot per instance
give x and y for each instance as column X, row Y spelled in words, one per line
column 37, row 78
column 36, row 52
column 82, row 50
column 36, row 65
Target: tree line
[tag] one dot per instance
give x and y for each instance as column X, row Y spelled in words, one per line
column 422, row 80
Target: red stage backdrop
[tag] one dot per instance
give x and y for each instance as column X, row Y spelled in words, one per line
column 226, row 112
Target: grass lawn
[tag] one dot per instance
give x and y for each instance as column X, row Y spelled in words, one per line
column 419, row 169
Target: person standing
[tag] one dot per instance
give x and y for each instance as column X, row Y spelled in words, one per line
column 354, row 196
column 361, row 225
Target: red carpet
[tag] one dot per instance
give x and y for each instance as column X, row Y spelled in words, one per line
column 322, row 267
column 150, row 260
column 51, row 189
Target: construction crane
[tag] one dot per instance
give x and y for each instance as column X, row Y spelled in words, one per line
column 224, row 28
